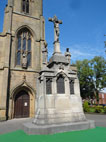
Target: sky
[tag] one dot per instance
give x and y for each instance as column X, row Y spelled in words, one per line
column 83, row 28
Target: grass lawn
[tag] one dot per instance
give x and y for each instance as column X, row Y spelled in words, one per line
column 92, row 135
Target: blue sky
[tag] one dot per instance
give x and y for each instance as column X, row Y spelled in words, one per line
column 83, row 28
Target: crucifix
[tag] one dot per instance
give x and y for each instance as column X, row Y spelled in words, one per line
column 56, row 23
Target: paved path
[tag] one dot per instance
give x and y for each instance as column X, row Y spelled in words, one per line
column 13, row 125
column 16, row 124
column 99, row 119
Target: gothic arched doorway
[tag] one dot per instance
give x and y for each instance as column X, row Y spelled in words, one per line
column 22, row 105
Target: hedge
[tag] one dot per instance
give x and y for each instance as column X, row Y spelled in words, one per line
column 93, row 109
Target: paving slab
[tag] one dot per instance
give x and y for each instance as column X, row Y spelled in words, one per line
column 16, row 124
column 13, row 125
column 100, row 120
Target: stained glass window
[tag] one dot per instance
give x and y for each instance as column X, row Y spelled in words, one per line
column 23, row 46
column 29, row 59
column 29, row 44
column 18, row 57
column 19, row 43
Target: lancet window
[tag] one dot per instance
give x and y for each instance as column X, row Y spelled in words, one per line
column 23, row 52
column 60, row 85
column 25, row 6
column 48, row 86
column 72, row 87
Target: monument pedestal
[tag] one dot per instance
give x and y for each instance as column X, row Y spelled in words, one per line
column 33, row 129
column 58, row 101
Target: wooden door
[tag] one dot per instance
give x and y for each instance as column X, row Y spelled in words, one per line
column 21, row 107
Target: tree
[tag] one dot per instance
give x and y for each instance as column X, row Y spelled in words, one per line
column 98, row 66
column 85, row 74
column 92, row 76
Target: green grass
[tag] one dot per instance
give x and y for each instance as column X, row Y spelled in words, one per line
column 92, row 135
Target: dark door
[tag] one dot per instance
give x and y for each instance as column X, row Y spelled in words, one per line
column 21, row 109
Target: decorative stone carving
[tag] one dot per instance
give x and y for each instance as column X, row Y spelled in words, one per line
column 45, row 52
column 68, row 55
column 24, row 60
column 24, row 77
column 61, row 67
column 56, row 27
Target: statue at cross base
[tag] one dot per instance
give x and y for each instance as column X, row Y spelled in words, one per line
column 56, row 27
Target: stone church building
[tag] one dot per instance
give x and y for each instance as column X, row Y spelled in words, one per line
column 23, row 54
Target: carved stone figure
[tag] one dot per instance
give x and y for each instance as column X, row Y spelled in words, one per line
column 45, row 53
column 24, row 60
column 56, row 27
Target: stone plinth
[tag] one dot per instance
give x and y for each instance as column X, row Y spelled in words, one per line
column 33, row 129
column 57, row 47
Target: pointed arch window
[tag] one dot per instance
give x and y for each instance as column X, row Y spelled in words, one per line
column 19, row 51
column 71, row 83
column 25, row 6
column 24, row 46
column 60, row 85
column 48, row 86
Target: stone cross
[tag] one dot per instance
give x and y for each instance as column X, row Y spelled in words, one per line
column 56, row 27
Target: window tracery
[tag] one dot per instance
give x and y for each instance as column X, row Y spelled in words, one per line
column 25, row 6
column 23, row 53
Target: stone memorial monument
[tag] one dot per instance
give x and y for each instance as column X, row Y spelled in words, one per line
column 58, row 100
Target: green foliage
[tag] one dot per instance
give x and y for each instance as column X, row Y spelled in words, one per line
column 98, row 109
column 84, row 74
column 92, row 76
column 105, row 109
column 92, row 109
column 86, row 106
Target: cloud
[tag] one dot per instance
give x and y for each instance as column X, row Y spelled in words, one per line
column 80, row 52
column 80, row 55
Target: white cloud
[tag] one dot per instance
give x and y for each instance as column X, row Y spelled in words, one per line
column 80, row 52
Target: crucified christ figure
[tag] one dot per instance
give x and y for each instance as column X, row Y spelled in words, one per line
column 56, row 27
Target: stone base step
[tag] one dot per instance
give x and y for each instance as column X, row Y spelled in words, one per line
column 33, row 129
